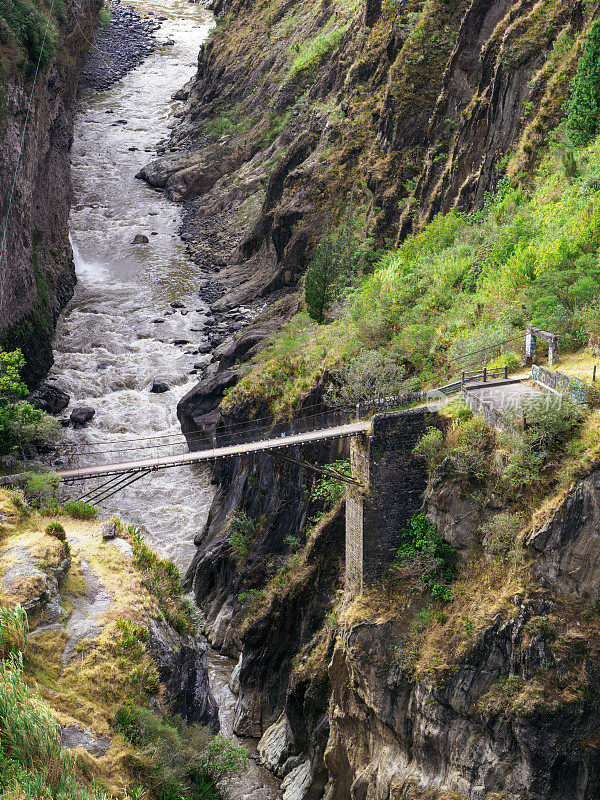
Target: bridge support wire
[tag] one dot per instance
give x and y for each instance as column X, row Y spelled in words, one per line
column 88, row 497
column 133, row 477
column 329, row 473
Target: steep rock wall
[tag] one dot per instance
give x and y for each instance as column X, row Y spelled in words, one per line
column 37, row 275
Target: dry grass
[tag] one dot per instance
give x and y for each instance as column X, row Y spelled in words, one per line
column 102, row 674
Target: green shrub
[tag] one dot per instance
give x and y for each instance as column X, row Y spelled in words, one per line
column 510, row 360
column 252, row 600
column 372, row 373
column 471, row 444
column 188, row 761
column 431, row 448
column 14, row 628
column 21, row 425
column 162, row 580
column 548, row 428
column 242, row 532
column 79, row 509
column 41, row 488
column 56, row 529
column 329, row 490
column 584, row 106
column 337, row 260
column 499, row 534
column 425, row 558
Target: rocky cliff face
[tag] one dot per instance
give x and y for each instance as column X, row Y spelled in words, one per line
column 37, row 275
column 408, row 108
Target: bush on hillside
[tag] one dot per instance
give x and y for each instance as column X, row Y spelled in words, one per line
column 584, row 106
column 188, row 761
column 242, row 532
column 548, row 428
column 21, row 425
column 470, row 445
column 41, row 489
column 56, row 529
column 338, row 259
column 425, row 558
column 373, row 373
column 79, row 509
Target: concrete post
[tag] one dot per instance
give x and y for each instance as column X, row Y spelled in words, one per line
column 359, row 461
column 553, row 352
column 394, row 480
column 530, row 345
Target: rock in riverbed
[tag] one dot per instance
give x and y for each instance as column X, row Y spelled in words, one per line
column 159, row 386
column 81, row 415
column 49, row 398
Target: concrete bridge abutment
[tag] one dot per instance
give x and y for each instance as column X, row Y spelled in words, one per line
column 394, row 481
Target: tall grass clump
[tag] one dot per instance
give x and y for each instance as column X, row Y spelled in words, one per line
column 79, row 509
column 33, row 762
column 161, row 578
column 188, row 761
column 313, row 52
column 29, row 734
column 14, row 628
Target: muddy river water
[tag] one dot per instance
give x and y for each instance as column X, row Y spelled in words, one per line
column 108, row 348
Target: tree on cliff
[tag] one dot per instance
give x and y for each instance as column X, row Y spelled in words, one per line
column 20, row 423
column 338, row 259
column 584, row 106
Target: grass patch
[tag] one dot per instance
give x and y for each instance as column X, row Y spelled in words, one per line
column 312, row 53
column 78, row 509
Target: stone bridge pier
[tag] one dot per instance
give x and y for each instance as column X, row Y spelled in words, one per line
column 394, row 481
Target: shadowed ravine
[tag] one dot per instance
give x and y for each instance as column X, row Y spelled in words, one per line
column 108, row 349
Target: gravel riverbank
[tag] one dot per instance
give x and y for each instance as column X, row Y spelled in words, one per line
column 119, row 46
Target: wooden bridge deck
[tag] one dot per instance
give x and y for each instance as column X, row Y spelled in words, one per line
column 153, row 464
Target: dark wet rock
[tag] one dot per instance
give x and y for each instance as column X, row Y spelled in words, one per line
column 158, row 321
column 567, row 547
column 181, row 663
column 159, row 386
column 140, row 238
column 50, row 399
column 81, row 415
column 177, row 305
column 181, row 342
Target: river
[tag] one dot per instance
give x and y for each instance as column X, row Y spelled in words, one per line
column 108, row 349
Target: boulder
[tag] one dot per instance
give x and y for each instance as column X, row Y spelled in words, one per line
column 81, row 415
column 109, row 530
column 79, row 736
column 159, row 386
column 49, row 398
column 139, row 238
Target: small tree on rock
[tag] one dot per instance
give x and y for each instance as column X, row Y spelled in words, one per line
column 20, row 423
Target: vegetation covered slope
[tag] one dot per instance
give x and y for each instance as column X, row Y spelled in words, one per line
column 97, row 653
column 467, row 282
column 400, row 110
